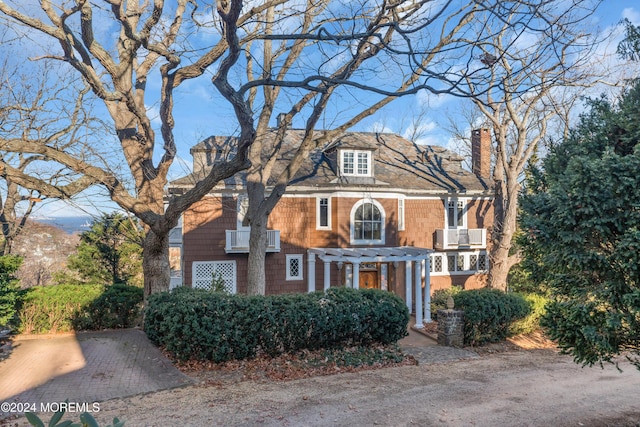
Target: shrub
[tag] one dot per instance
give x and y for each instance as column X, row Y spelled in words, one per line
column 198, row 324
column 63, row 308
column 531, row 322
column 53, row 308
column 119, row 306
column 86, row 419
column 489, row 313
column 439, row 299
column 9, row 287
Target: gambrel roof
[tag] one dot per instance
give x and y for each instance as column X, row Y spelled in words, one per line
column 398, row 164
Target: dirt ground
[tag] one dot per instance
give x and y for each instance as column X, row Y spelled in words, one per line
column 512, row 384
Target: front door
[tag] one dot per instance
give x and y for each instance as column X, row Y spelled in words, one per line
column 369, row 279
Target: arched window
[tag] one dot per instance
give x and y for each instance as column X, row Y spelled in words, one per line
column 367, row 222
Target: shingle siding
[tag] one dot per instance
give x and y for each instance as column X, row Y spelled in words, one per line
column 423, row 176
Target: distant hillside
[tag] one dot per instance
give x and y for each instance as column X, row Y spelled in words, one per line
column 71, row 224
column 45, row 249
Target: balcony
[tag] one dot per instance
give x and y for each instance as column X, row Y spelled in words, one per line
column 461, row 238
column 237, row 241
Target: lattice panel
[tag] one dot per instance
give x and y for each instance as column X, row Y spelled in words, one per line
column 473, row 261
column 204, row 272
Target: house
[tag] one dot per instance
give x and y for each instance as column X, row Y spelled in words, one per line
column 368, row 210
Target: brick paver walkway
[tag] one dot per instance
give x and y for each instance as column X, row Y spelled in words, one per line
column 85, row 368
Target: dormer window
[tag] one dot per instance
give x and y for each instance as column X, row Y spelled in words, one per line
column 355, row 163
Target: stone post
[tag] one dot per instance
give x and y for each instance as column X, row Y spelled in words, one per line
column 451, row 326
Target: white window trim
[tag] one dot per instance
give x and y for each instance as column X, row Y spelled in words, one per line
column 369, row 155
column 300, row 275
column 318, row 226
column 383, row 218
column 465, row 209
column 230, row 282
column 242, row 203
column 401, row 214
column 467, row 257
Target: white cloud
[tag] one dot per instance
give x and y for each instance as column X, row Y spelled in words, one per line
column 380, row 128
column 632, row 15
column 426, row 98
column 418, row 131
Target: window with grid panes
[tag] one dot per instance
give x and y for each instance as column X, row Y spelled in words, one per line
column 356, row 163
column 294, row 267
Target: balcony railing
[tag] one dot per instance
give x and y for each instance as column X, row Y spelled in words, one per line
column 454, row 238
column 238, row 241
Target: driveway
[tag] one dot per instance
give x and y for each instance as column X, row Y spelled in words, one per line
column 130, row 379
column 85, row 368
column 535, row 388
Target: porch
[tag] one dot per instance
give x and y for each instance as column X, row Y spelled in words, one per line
column 416, row 265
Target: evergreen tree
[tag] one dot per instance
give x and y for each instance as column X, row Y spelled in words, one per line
column 110, row 251
column 582, row 233
column 9, row 287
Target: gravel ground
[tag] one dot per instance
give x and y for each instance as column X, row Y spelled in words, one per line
column 505, row 388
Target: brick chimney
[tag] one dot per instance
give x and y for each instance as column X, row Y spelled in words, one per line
column 481, row 153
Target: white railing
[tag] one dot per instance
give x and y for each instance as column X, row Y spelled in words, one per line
column 455, row 238
column 237, row 241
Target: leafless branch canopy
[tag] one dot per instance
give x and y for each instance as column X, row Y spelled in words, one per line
column 291, row 58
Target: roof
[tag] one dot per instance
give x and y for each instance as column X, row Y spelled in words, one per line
column 398, row 164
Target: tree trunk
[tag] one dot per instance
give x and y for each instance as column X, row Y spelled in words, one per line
column 502, row 237
column 155, row 262
column 256, row 278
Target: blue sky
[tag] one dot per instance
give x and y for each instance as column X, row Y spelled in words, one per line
column 195, row 121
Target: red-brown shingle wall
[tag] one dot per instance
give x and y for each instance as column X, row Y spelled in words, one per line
column 480, row 214
column 203, row 231
column 205, row 223
column 422, row 219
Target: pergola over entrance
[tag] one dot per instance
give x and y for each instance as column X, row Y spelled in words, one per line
column 416, row 259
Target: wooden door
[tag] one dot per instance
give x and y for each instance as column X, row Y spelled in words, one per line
column 369, row 279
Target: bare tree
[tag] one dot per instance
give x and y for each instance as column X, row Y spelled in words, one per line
column 530, row 84
column 273, row 58
column 404, row 35
column 34, row 107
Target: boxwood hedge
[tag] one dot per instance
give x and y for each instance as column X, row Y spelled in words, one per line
column 203, row 325
column 489, row 313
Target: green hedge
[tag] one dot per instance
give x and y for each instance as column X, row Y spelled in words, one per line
column 439, row 299
column 119, row 306
column 489, row 314
column 51, row 309
column 9, row 288
column 197, row 324
column 66, row 307
column 531, row 322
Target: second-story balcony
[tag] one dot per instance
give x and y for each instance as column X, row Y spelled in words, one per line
column 461, row 238
column 237, row 241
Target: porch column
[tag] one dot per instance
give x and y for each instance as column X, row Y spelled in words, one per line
column 311, row 272
column 427, row 290
column 407, row 283
column 356, row 275
column 418, row 285
column 327, row 275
